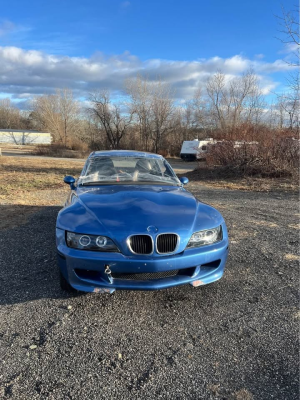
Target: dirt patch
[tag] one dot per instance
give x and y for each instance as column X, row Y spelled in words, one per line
column 265, row 223
column 291, row 257
column 238, row 234
column 243, row 394
column 296, row 315
column 294, row 226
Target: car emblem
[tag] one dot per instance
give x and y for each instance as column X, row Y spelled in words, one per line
column 152, row 229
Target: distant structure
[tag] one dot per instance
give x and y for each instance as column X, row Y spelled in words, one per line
column 192, row 150
column 24, row 137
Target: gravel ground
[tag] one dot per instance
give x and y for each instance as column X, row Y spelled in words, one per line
column 234, row 339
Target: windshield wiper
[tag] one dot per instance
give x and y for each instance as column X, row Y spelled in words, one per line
column 91, row 183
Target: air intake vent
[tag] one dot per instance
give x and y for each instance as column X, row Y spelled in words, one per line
column 166, row 243
column 141, row 244
column 145, row 276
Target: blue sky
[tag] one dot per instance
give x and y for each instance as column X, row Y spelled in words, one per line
column 86, row 44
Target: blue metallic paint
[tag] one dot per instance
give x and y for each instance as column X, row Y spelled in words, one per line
column 118, row 211
column 184, row 180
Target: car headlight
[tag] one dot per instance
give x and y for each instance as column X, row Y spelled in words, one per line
column 90, row 242
column 208, row 236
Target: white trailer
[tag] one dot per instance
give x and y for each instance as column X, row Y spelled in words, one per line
column 192, row 150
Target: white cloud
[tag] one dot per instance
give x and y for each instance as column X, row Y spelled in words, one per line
column 289, row 48
column 27, row 72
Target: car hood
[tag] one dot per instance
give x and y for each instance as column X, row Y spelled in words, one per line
column 119, row 211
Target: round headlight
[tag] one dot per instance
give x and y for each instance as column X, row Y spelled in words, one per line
column 101, row 241
column 85, row 240
column 208, row 236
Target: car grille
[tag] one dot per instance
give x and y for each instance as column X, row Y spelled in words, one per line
column 166, row 243
column 145, row 275
column 141, row 244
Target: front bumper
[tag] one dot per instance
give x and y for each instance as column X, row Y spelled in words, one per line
column 198, row 266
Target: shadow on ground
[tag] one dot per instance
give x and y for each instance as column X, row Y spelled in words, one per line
column 28, row 254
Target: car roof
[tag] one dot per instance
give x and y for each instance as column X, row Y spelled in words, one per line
column 124, row 153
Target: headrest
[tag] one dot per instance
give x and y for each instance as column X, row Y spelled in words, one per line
column 143, row 166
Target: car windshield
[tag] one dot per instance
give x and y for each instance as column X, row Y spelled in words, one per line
column 138, row 170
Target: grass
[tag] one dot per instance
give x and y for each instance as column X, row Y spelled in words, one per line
column 219, row 177
column 23, row 180
column 26, row 184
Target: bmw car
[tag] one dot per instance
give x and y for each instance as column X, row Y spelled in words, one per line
column 129, row 223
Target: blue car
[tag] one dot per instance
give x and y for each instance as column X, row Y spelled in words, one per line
column 129, row 223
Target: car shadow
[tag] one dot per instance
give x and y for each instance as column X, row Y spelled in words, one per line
column 28, row 269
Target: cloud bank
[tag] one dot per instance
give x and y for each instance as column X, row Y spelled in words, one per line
column 24, row 73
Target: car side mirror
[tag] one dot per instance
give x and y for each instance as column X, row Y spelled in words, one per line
column 184, row 180
column 70, row 180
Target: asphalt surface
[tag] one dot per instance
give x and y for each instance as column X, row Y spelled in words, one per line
column 234, row 339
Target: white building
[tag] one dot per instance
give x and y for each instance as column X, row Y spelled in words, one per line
column 23, row 137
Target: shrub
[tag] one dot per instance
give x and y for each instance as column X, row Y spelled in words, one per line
column 163, row 153
column 78, row 145
column 269, row 158
column 58, row 150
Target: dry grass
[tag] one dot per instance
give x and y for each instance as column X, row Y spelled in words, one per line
column 27, row 184
column 218, row 177
column 25, row 181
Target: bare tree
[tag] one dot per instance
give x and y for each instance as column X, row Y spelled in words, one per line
column 288, row 110
column 198, row 110
column 290, row 35
column 234, row 101
column 139, row 90
column 162, row 109
column 289, row 22
column 152, row 104
column 58, row 114
column 10, row 117
column 109, row 117
column 253, row 104
column 217, row 94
